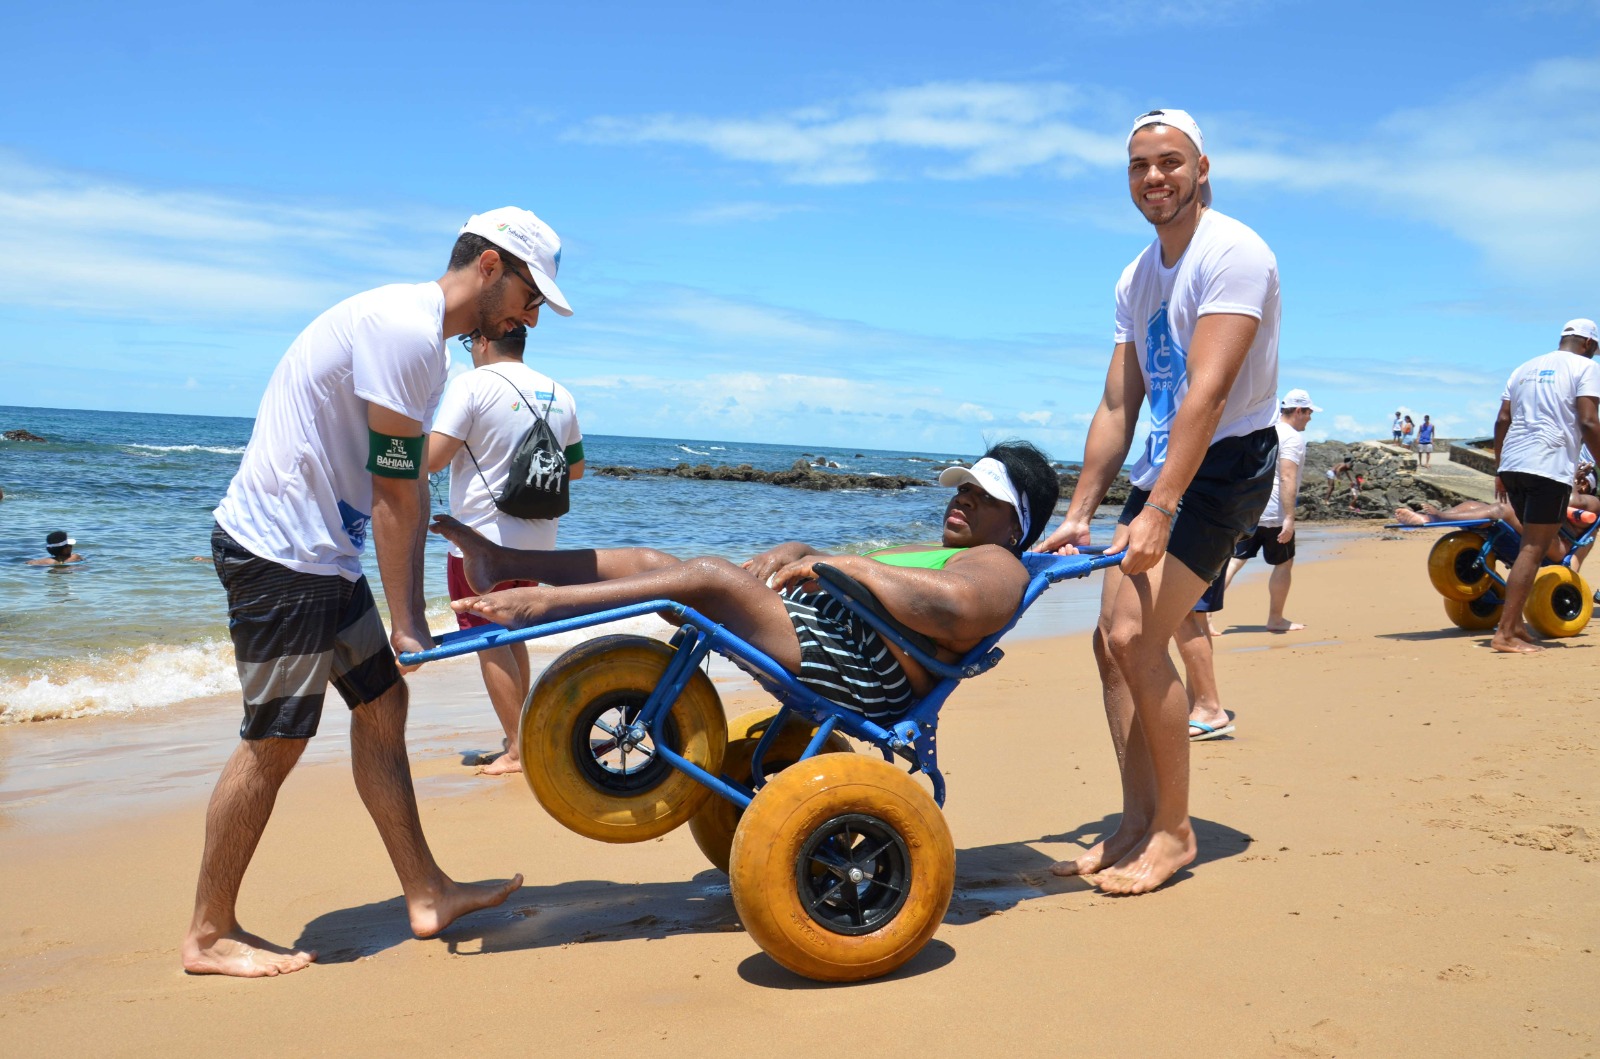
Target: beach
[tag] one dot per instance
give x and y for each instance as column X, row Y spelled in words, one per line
column 1398, row 852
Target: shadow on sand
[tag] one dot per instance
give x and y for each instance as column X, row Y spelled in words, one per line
column 989, row 880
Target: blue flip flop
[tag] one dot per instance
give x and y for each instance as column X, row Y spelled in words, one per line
column 1199, row 732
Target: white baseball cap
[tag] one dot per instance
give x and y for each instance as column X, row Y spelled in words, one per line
column 1180, row 120
column 990, row 475
column 1582, row 328
column 1298, row 399
column 526, row 237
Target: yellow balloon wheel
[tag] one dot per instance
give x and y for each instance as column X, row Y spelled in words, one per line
column 1560, row 603
column 842, row 868
column 1456, row 566
column 713, row 826
column 1479, row 614
column 588, row 770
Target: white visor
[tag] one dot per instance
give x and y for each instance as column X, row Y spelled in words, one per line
column 990, row 475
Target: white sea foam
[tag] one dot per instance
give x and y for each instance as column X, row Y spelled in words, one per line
column 692, row 452
column 221, row 450
column 119, row 682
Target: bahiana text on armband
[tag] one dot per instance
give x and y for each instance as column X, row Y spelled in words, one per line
column 392, row 457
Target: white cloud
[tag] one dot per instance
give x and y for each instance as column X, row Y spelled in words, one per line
column 1491, row 162
column 99, row 246
column 942, row 130
column 1038, row 419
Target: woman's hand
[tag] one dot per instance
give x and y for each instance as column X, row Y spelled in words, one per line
column 769, row 562
column 798, row 573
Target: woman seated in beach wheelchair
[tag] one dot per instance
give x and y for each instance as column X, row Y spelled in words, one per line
column 841, row 869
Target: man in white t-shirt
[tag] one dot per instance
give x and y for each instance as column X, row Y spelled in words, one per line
column 1196, row 334
column 1274, row 537
column 484, row 415
column 337, row 453
column 1550, row 404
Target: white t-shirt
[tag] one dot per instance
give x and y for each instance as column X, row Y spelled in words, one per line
column 1291, row 447
column 1543, row 438
column 302, row 496
column 483, row 410
column 1227, row 268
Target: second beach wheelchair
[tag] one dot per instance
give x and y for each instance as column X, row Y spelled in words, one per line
column 840, row 864
column 1462, row 569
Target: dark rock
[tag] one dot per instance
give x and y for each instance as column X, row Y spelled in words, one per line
column 21, row 435
column 800, row 476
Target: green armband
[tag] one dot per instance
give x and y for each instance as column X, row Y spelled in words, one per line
column 574, row 453
column 390, row 457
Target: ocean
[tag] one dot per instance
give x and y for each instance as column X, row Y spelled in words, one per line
column 142, row 624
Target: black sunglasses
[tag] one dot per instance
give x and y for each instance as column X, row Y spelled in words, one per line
column 538, row 295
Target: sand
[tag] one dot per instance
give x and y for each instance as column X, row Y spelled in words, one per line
column 1399, row 854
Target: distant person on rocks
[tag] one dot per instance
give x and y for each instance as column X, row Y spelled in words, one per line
column 1425, row 444
column 1197, row 321
column 484, row 415
column 1398, row 426
column 336, row 453
column 1342, row 469
column 1355, row 493
column 1274, row 536
column 60, row 546
column 1406, row 431
column 1549, row 403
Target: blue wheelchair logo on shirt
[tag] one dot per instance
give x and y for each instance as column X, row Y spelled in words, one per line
column 1167, row 369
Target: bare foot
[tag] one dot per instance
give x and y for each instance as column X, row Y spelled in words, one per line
column 430, row 915
column 1514, row 646
column 1284, row 625
column 1406, row 517
column 515, row 608
column 482, row 560
column 242, row 955
column 503, row 765
column 1525, row 634
column 1158, row 858
column 1430, row 508
column 1103, row 853
column 1212, row 629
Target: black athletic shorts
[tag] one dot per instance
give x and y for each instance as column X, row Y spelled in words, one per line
column 1265, row 542
column 1211, row 600
column 1535, row 499
column 1222, row 504
column 293, row 633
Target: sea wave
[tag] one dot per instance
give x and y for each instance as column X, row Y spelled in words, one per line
column 119, row 682
column 221, row 450
column 125, row 682
column 692, row 452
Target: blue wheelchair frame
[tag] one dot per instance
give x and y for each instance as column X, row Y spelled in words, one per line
column 913, row 737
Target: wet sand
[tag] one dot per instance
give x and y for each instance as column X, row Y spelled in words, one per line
column 1399, row 852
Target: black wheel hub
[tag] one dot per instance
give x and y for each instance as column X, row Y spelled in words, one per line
column 1567, row 602
column 853, row 874
column 608, row 751
column 1469, row 567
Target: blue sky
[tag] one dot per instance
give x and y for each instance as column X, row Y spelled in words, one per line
column 885, row 225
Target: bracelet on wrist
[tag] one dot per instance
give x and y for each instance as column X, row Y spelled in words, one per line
column 1158, row 507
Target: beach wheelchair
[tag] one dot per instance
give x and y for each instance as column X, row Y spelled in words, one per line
column 840, row 865
column 1462, row 569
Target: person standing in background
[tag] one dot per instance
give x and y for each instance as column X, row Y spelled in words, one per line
column 483, row 417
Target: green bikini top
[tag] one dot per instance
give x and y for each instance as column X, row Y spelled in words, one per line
column 932, row 559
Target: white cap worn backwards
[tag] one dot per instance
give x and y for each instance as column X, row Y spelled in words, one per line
column 1180, row 120
column 990, row 475
column 1582, row 328
column 1298, row 399
column 527, row 238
